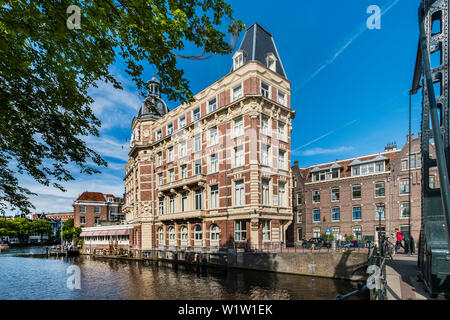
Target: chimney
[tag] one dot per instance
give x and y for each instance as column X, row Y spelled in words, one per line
column 391, row 146
column 296, row 163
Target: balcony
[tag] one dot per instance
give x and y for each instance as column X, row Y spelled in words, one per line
column 182, row 215
column 194, row 181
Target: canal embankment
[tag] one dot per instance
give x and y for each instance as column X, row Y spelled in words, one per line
column 349, row 265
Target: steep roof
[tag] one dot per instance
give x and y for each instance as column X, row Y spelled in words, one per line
column 92, row 196
column 257, row 44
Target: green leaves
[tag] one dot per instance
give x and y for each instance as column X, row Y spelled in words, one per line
column 46, row 70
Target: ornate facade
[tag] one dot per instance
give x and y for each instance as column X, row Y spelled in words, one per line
column 216, row 172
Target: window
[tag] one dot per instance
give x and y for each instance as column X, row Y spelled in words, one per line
column 316, row 215
column 299, row 234
column 82, row 220
column 431, row 182
column 356, row 192
column 335, row 232
column 299, row 198
column 335, row 194
column 404, row 210
column 315, row 177
column 196, row 114
column 214, row 233
column 264, row 154
column 160, row 179
column 335, row 214
column 316, row 232
column 237, row 92
column 239, row 156
column 379, row 189
column 265, row 230
column 404, row 186
column 161, row 205
column 184, row 204
column 198, row 199
column 264, row 125
column 405, row 231
column 404, row 164
column 171, row 175
column 161, row 235
column 158, row 134
column 212, row 105
column 238, row 127
column 335, row 173
column 412, row 161
column 271, row 62
column 265, row 192
column 316, row 196
column 170, row 157
column 265, row 89
column 213, row 137
column 419, row 160
column 183, row 149
column 214, row 163
column 160, row 159
column 379, row 166
column 96, row 209
column 171, row 204
column 240, row 230
column 281, row 131
column 357, row 232
column 82, row 209
column 281, row 98
column 171, row 234
column 214, row 197
column 184, row 233
column 281, row 194
column 170, row 128
column 182, row 121
column 197, row 143
column 183, row 171
column 198, row 167
column 238, row 61
column 367, row 168
column 239, row 199
column 379, row 211
column 356, row 213
column 281, row 160
column 198, row 232
column 355, row 171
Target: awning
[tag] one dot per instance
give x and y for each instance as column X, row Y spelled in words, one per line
column 119, row 232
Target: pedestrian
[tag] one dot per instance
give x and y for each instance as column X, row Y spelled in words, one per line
column 399, row 236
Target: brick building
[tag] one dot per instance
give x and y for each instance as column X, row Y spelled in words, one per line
column 361, row 196
column 94, row 208
column 215, row 172
column 64, row 216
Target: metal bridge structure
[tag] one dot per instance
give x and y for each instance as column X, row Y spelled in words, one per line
column 432, row 75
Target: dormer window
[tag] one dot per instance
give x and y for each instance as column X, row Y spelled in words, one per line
column 238, row 60
column 110, row 200
column 271, row 62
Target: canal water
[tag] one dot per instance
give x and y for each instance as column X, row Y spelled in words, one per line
column 28, row 274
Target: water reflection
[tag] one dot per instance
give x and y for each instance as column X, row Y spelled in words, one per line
column 22, row 277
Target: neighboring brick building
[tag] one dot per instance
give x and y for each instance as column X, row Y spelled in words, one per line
column 216, row 170
column 349, row 196
column 296, row 230
column 64, row 216
column 94, row 208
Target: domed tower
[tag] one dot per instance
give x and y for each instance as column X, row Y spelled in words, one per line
column 153, row 106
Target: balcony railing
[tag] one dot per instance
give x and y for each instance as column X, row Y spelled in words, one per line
column 196, row 180
column 182, row 215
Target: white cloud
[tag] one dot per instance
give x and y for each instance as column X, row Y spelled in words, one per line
column 317, row 151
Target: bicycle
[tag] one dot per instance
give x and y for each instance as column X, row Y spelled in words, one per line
column 389, row 248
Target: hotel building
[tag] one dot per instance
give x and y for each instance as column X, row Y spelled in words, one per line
column 215, row 172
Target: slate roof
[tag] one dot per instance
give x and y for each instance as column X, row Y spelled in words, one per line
column 257, row 43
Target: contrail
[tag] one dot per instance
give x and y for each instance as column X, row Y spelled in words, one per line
column 323, row 136
column 360, row 30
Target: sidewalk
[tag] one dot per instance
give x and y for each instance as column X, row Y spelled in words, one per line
column 401, row 276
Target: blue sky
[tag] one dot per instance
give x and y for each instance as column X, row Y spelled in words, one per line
column 349, row 86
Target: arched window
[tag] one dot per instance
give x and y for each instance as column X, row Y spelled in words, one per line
column 198, row 232
column 160, row 235
column 215, row 233
column 171, row 234
column 271, row 61
column 184, row 233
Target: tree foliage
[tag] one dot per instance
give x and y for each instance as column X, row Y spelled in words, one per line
column 41, row 227
column 70, row 232
column 46, row 70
